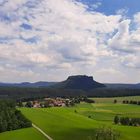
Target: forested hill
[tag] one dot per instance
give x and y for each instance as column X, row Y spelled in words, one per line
column 123, row 86
column 22, row 93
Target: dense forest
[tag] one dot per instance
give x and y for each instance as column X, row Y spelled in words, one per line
column 11, row 118
column 28, row 92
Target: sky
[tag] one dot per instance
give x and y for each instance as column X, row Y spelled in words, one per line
column 48, row 40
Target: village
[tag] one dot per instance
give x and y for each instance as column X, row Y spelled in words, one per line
column 51, row 102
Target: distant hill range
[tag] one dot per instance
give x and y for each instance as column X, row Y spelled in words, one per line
column 73, row 86
column 28, row 84
column 80, row 82
column 123, row 86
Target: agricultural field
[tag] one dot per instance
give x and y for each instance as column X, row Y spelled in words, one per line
column 79, row 122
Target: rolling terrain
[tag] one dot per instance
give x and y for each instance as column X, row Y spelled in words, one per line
column 22, row 134
column 80, row 122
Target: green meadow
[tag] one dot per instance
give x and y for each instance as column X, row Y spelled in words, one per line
column 79, row 122
column 119, row 99
column 22, row 134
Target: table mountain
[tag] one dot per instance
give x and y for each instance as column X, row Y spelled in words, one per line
column 80, row 82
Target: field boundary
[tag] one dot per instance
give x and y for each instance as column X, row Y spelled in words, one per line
column 42, row 132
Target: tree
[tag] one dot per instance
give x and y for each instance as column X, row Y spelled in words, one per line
column 127, row 102
column 11, row 118
column 89, row 116
column 20, row 104
column 124, row 120
column 115, row 101
column 67, row 103
column 124, row 102
column 29, row 104
column 129, row 121
column 116, row 120
column 47, row 104
column 72, row 103
column 106, row 133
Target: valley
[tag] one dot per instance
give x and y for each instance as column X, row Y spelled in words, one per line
column 80, row 121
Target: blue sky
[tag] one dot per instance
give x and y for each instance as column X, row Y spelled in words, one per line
column 111, row 6
column 48, row 40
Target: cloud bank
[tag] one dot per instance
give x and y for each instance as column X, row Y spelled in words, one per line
column 49, row 40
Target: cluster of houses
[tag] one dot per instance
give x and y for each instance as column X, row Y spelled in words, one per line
column 50, row 102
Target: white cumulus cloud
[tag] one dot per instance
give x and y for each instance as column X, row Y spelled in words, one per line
column 62, row 36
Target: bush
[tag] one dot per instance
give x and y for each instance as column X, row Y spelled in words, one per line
column 127, row 121
column 106, row 133
column 116, row 120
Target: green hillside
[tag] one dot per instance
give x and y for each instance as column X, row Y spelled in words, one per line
column 74, row 123
column 79, row 122
column 22, row 134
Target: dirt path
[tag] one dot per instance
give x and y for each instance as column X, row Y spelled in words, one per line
column 42, row 132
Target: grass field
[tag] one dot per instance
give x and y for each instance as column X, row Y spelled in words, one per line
column 22, row 134
column 62, row 123
column 119, row 99
column 73, row 123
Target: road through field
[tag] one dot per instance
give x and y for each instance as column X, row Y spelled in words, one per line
column 42, row 132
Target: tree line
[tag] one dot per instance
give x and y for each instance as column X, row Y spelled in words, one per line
column 28, row 92
column 131, row 102
column 127, row 121
column 11, row 118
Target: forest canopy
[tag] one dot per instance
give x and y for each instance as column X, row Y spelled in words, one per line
column 11, row 118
